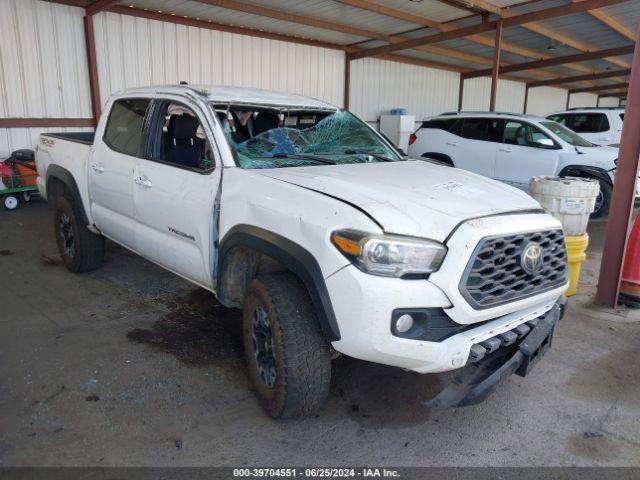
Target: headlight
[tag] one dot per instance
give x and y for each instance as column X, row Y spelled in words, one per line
column 389, row 255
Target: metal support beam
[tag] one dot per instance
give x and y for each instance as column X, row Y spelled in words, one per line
column 568, row 99
column 526, row 99
column 45, row 122
column 623, row 194
column 598, row 101
column 550, row 62
column 347, row 82
column 581, row 78
column 461, row 92
column 599, row 88
column 94, row 83
column 99, row 6
column 495, row 73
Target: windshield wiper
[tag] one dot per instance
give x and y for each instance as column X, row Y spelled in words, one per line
column 374, row 155
column 299, row 156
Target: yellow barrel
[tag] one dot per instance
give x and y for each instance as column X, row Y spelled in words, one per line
column 576, row 254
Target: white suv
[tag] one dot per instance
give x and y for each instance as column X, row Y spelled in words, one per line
column 602, row 126
column 513, row 148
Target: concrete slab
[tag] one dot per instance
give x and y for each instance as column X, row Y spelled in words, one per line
column 131, row 365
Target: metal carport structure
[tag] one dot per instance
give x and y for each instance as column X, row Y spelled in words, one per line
column 582, row 46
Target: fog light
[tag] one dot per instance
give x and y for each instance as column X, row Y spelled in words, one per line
column 404, row 323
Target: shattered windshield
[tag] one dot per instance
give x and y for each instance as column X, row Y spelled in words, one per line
column 280, row 138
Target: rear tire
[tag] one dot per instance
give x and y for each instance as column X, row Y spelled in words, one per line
column 80, row 249
column 603, row 202
column 288, row 359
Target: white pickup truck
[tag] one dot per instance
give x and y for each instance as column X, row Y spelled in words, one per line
column 320, row 230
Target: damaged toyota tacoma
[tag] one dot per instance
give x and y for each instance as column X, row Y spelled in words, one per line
column 329, row 239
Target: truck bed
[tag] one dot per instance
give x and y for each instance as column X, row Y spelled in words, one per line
column 78, row 137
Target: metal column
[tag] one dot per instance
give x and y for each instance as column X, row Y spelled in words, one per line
column 623, row 194
column 496, row 66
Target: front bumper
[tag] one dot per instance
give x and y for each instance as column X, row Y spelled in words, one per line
column 364, row 306
column 472, row 386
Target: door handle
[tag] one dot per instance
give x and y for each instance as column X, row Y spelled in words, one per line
column 452, row 144
column 97, row 167
column 143, row 181
column 506, row 150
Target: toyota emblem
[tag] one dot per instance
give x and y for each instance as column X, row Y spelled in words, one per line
column 531, row 260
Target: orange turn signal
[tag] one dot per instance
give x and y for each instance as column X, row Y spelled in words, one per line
column 345, row 245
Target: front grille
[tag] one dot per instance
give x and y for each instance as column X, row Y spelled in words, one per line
column 494, row 275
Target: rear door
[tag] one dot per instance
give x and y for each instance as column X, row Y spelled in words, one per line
column 525, row 151
column 111, row 170
column 477, row 145
column 174, row 188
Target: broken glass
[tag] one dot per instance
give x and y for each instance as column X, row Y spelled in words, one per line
column 339, row 137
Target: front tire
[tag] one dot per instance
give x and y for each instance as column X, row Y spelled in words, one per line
column 80, row 249
column 288, row 360
column 10, row 202
column 603, row 201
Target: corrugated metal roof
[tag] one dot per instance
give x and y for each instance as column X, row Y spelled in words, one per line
column 431, row 9
column 587, row 30
column 341, row 13
column 194, row 9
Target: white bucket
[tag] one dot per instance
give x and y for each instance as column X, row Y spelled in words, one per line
column 570, row 199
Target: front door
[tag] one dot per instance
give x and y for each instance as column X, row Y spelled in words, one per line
column 111, row 169
column 175, row 189
column 525, row 152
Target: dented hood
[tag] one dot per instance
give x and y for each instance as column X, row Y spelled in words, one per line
column 412, row 197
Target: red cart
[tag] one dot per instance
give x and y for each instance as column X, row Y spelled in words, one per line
column 18, row 177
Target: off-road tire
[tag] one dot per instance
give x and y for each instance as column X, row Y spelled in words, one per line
column 88, row 247
column 302, row 355
column 607, row 190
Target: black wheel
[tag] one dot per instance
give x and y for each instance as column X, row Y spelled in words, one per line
column 80, row 249
column 288, row 360
column 10, row 202
column 603, row 200
column 26, row 197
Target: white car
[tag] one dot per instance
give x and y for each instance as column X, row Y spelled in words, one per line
column 513, row 148
column 311, row 222
column 602, row 126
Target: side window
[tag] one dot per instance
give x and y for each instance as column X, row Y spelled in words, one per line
column 123, row 132
column 590, row 123
column 561, row 119
column 440, row 124
column 526, row 135
column 486, row 129
column 176, row 137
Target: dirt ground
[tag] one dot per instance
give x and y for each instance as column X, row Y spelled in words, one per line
column 131, row 365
